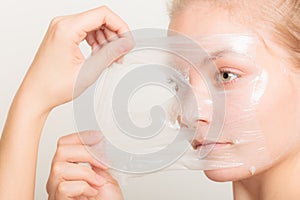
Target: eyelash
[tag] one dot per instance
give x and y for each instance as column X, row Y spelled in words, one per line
column 218, row 76
column 222, row 71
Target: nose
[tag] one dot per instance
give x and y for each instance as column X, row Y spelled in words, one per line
column 198, row 115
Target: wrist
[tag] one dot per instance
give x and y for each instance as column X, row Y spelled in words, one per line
column 29, row 103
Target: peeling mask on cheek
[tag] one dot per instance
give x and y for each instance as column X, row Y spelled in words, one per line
column 176, row 103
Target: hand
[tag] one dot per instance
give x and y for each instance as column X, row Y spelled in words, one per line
column 70, row 180
column 52, row 76
column 50, row 82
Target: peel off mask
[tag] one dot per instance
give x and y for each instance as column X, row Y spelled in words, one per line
column 179, row 103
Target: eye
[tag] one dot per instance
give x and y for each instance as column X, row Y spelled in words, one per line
column 173, row 84
column 227, row 76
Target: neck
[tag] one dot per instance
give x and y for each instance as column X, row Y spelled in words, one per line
column 276, row 183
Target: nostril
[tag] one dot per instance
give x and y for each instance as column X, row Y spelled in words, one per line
column 203, row 121
column 181, row 122
column 192, row 122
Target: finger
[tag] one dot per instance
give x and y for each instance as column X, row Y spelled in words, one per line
column 101, row 38
column 72, row 172
column 91, row 39
column 96, row 64
column 106, row 177
column 84, row 198
column 94, row 19
column 104, row 58
column 71, row 189
column 85, row 137
column 76, row 154
column 110, row 35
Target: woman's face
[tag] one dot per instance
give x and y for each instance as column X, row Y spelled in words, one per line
column 267, row 124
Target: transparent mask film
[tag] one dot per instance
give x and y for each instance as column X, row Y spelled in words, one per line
column 180, row 103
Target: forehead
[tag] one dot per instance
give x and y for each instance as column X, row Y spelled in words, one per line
column 203, row 19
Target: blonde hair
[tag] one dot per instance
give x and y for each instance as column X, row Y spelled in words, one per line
column 282, row 17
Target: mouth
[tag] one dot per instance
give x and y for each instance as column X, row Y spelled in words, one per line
column 208, row 144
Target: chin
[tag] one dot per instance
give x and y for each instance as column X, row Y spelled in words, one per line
column 240, row 173
column 230, row 174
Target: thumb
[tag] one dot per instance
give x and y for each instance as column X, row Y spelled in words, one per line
column 99, row 61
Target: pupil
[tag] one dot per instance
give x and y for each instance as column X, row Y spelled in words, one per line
column 225, row 75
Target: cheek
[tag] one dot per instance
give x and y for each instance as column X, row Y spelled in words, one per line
column 276, row 114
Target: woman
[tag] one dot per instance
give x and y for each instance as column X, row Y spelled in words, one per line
column 276, row 23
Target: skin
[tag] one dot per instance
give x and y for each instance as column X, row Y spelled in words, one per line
column 270, row 180
column 69, row 179
column 49, row 83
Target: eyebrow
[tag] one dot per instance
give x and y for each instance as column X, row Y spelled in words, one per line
column 217, row 54
column 220, row 53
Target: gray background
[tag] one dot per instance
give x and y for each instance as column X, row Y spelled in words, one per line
column 23, row 25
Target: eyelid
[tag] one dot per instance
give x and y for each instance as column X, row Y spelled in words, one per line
column 232, row 70
column 238, row 74
column 238, row 64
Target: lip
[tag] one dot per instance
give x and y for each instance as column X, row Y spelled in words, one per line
column 208, row 144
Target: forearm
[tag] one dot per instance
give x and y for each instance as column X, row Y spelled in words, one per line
column 19, row 148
